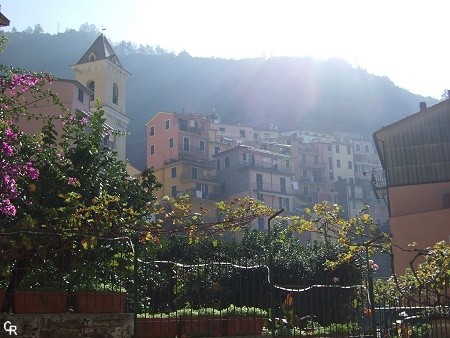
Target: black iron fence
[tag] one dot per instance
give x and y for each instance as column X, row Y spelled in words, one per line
column 194, row 294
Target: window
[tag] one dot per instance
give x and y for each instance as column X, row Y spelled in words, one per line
column 329, row 147
column 350, row 165
column 92, row 57
column 259, row 181
column 80, row 95
column 182, row 124
column 282, row 185
column 186, row 142
column 305, row 190
column 261, row 223
column 338, row 163
column 152, row 131
column 288, row 142
column 222, row 130
column 202, row 145
column 337, row 148
column 303, row 158
column 216, row 150
column 316, row 160
column 255, row 136
column 283, row 203
column 317, row 176
column 331, row 176
column 366, row 148
column 174, row 190
column 305, row 173
column 194, row 173
column 317, row 189
column 115, row 93
column 349, row 150
column 358, row 147
column 173, row 172
column 330, row 163
column 91, row 86
column 288, row 164
column 227, row 162
column 242, row 133
column 218, row 164
column 171, row 142
column 167, row 124
column 152, row 149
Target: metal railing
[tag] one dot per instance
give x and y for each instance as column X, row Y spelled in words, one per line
column 205, row 291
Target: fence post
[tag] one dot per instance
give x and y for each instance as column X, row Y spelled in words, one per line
column 271, row 288
column 373, row 327
column 135, row 242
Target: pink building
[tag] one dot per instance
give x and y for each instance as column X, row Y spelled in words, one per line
column 415, row 155
column 72, row 94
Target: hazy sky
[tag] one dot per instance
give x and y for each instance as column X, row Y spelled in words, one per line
column 406, row 41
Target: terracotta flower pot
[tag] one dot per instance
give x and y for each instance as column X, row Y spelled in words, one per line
column 244, row 325
column 208, row 326
column 157, row 327
column 99, row 301
column 39, row 301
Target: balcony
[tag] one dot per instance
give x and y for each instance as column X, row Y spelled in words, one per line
column 380, row 187
column 212, row 196
column 272, row 188
column 205, row 177
column 266, row 165
column 192, row 153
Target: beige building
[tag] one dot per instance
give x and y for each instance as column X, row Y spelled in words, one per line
column 100, row 70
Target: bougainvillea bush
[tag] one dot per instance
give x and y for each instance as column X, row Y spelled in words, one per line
column 59, row 192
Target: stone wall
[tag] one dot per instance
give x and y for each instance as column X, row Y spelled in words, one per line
column 69, row 325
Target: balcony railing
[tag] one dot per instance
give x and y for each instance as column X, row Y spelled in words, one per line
column 266, row 165
column 380, row 187
column 273, row 188
column 206, row 176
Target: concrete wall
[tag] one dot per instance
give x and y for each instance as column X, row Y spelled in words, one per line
column 69, row 325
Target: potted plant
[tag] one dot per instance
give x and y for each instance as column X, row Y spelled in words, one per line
column 42, row 291
column 244, row 320
column 204, row 321
column 99, row 298
column 157, row 325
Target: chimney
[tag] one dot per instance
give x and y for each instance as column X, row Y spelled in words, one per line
column 423, row 105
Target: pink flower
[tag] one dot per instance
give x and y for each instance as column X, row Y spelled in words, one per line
column 73, row 181
column 335, row 280
column 7, row 208
column 7, row 149
column 84, row 121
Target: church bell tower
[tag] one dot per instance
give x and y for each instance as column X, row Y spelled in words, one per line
column 101, row 71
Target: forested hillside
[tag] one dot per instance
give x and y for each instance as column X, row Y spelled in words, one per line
column 291, row 92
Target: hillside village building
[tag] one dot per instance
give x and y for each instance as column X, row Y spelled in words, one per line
column 415, row 155
column 210, row 160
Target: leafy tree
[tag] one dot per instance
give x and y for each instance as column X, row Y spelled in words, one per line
column 38, row 29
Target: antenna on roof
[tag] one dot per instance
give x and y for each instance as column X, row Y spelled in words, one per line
column 103, row 29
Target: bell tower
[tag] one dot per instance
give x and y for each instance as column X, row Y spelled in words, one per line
column 101, row 71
